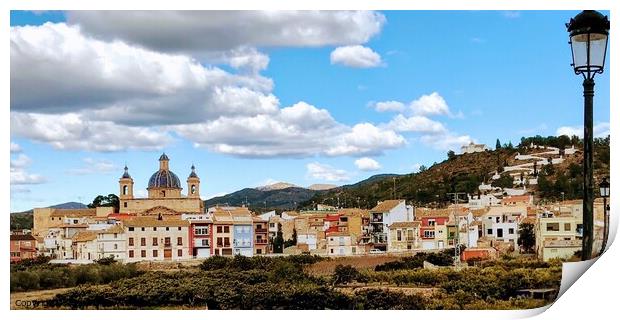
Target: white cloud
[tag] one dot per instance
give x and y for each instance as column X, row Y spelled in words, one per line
column 21, row 161
column 195, row 31
column 19, row 174
column 355, row 57
column 365, row 139
column 388, row 106
column 415, row 124
column 92, row 166
column 446, row 141
column 367, row 164
column 326, row 172
column 15, row 148
column 431, row 104
column 416, row 167
column 73, row 132
column 601, row 130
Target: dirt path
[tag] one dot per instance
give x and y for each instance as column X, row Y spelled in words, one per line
column 25, row 300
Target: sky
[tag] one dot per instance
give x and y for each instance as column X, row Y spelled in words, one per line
column 252, row 98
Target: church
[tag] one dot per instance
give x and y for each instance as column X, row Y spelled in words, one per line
column 164, row 193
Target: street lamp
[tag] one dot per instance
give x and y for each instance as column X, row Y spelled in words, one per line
column 604, row 192
column 588, row 31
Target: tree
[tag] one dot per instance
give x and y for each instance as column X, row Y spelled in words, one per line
column 527, row 239
column 278, row 241
column 292, row 241
column 505, row 181
column 498, row 145
column 422, row 168
column 110, row 200
column 344, row 274
column 451, row 155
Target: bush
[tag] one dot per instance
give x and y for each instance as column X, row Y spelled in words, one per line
column 215, row 263
column 376, row 299
column 345, row 274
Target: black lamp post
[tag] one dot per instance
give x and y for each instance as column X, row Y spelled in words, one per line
column 604, row 192
column 589, row 31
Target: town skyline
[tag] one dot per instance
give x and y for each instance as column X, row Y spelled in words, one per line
column 383, row 113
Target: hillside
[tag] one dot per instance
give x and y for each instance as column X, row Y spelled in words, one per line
column 464, row 173
column 286, row 198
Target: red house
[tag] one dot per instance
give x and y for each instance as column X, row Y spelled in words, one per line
column 23, row 246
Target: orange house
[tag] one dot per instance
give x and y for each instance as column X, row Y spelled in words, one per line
column 23, row 246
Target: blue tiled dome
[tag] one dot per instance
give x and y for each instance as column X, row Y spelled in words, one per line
column 164, row 179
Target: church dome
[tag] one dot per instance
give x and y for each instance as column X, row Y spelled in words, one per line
column 164, row 179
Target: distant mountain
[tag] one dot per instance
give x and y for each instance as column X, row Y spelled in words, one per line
column 277, row 186
column 322, row 186
column 286, row 198
column 23, row 220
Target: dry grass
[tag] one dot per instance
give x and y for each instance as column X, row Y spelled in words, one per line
column 426, row 292
column 22, row 300
column 369, row 262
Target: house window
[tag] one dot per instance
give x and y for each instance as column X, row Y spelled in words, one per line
column 154, row 253
column 179, row 229
column 511, row 231
column 331, row 250
column 154, row 228
column 115, row 246
column 431, row 222
column 259, row 251
column 167, row 228
column 193, row 189
column 154, row 241
column 219, row 229
column 489, row 231
column 130, row 228
column 131, row 241
column 409, row 234
column 353, row 250
column 272, row 225
column 180, row 241
column 398, row 235
column 131, row 253
column 567, row 227
column 180, row 253
column 125, row 190
column 143, row 242
column 115, row 235
column 143, row 253
column 201, row 231
column 429, row 233
column 142, row 228
column 226, row 229
column 553, row 227
column 227, row 242
column 124, row 204
column 220, row 241
column 205, row 242
column 167, row 241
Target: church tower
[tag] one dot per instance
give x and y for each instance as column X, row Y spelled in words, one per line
column 126, row 188
column 193, row 184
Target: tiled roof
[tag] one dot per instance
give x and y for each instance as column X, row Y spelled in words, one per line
column 432, row 213
column 523, row 198
column 153, row 222
column 339, row 234
column 386, row 205
column 479, row 212
column 74, row 213
column 405, row 224
column 83, row 236
column 114, row 229
column 354, row 212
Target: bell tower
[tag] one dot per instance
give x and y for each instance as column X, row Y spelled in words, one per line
column 126, row 189
column 193, row 184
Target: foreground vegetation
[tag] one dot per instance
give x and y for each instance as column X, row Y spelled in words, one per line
column 284, row 283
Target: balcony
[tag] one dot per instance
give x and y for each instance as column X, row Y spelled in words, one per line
column 261, row 230
column 260, row 241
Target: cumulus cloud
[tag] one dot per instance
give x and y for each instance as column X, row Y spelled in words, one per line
column 415, row 124
column 94, row 166
column 431, row 104
column 15, row 148
column 319, row 171
column 135, row 98
column 19, row 173
column 388, row 106
column 355, row 56
column 367, row 164
column 225, row 30
column 601, row 130
column 74, row 132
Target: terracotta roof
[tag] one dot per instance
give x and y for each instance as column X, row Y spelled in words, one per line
column 386, row 205
column 339, row 234
column 68, row 225
column 74, row 212
column 22, row 237
column 332, row 217
column 523, row 198
column 479, row 212
column 353, row 212
column 316, row 223
column 405, row 224
column 153, row 222
column 84, row 236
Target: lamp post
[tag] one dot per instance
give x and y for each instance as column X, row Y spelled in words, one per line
column 588, row 31
column 604, row 192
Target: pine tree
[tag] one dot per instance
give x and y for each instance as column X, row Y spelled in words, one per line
column 498, row 145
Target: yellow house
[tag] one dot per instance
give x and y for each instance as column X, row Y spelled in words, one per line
column 557, row 237
column 404, row 236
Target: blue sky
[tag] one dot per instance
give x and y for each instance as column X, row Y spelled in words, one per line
column 83, row 103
